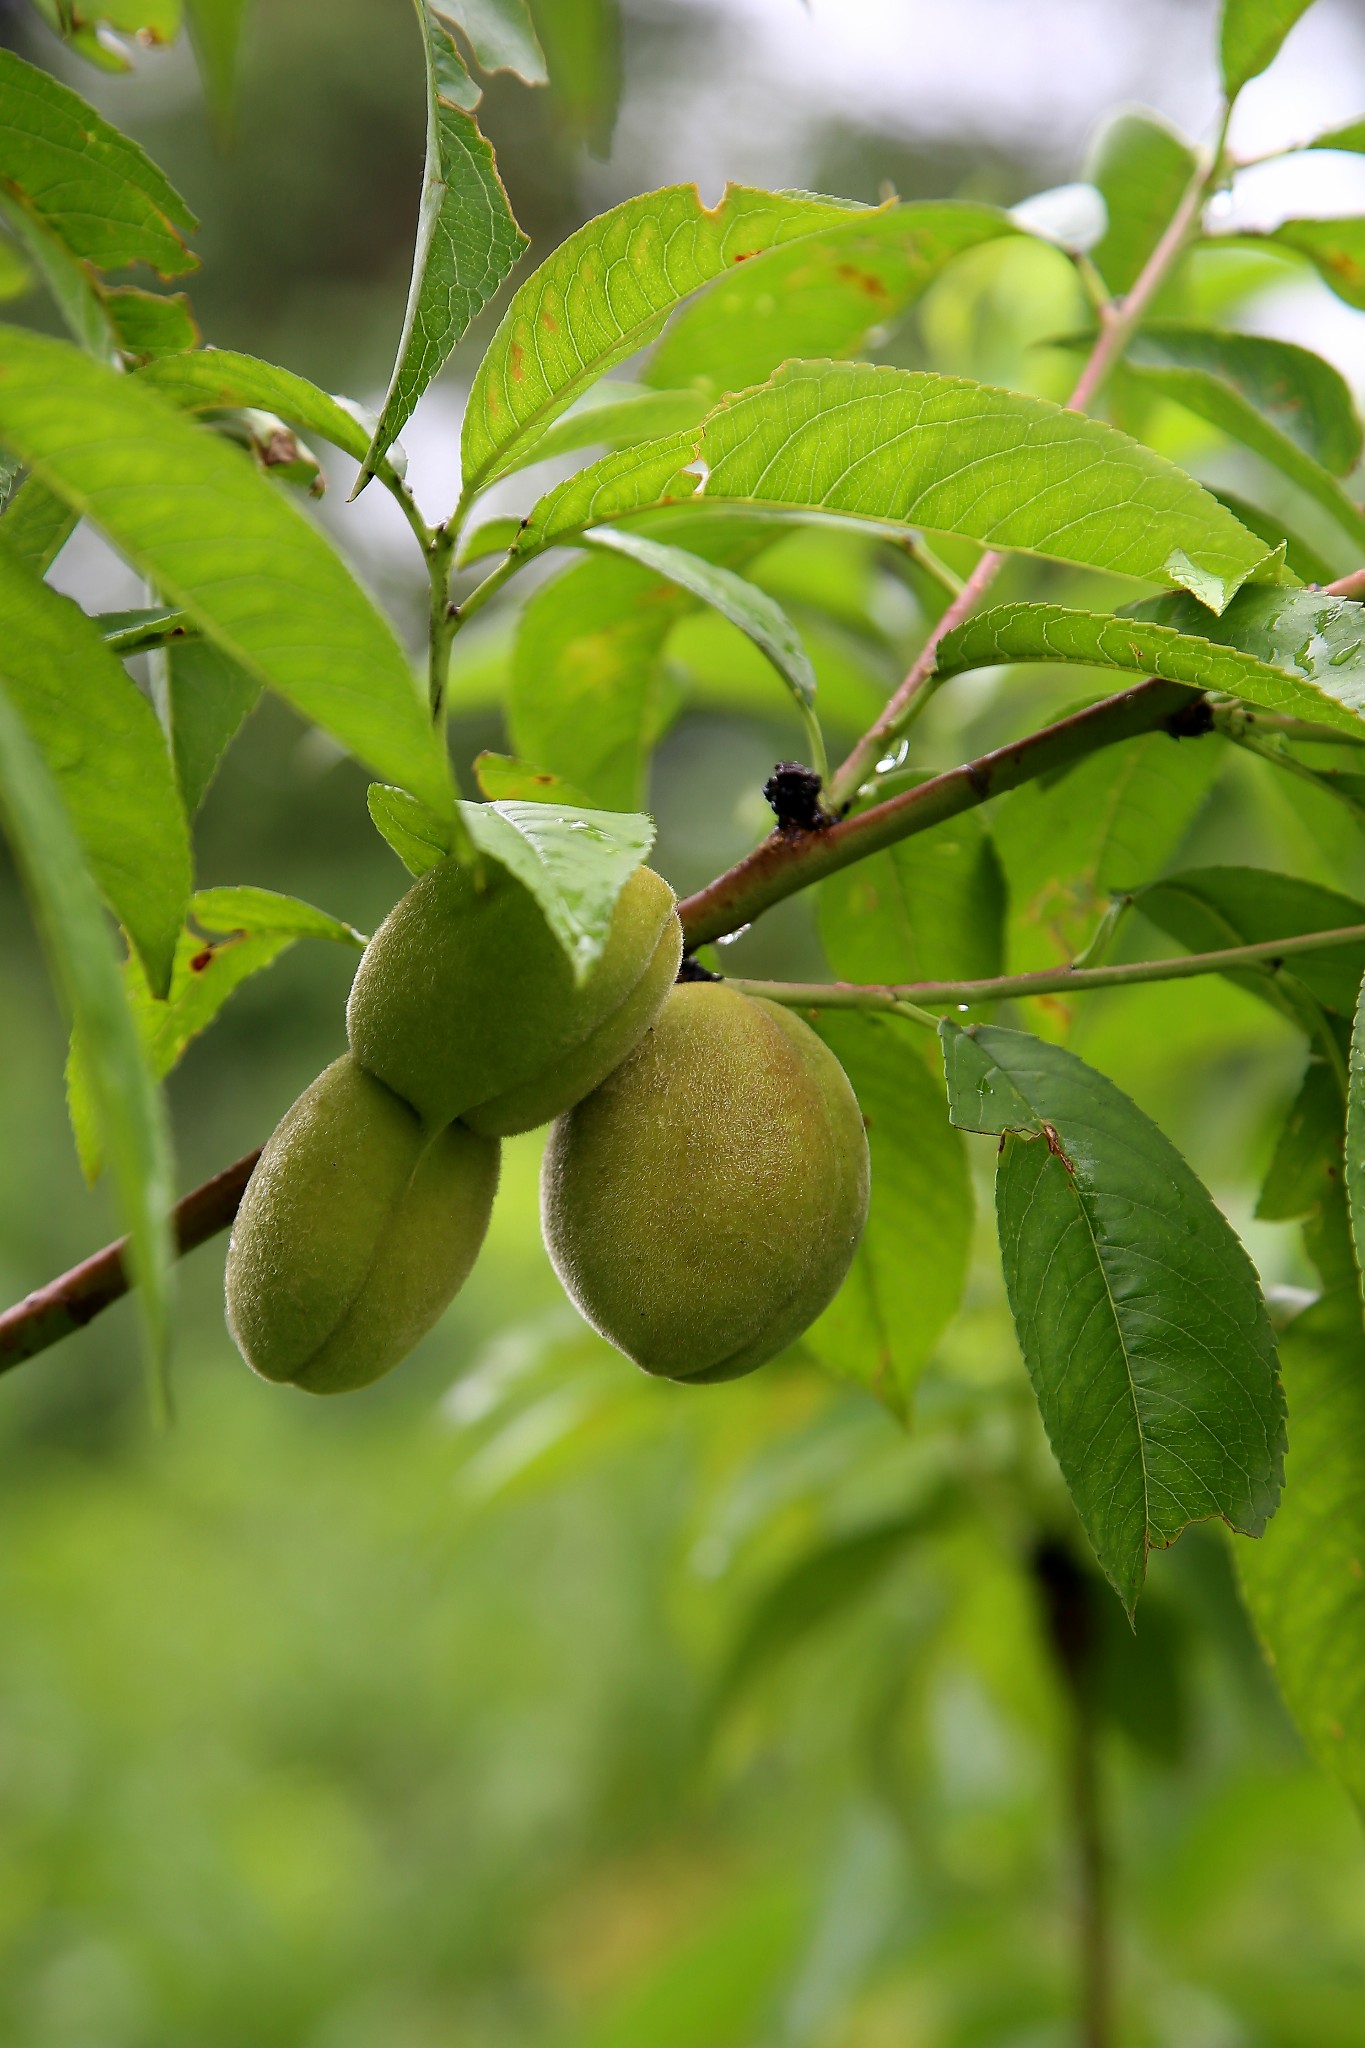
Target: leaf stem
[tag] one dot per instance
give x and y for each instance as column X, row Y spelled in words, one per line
column 891, row 996
column 441, row 628
column 1117, row 322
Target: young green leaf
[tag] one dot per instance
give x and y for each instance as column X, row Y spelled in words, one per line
column 417, row 835
column 1256, row 651
column 223, row 380
column 149, row 324
column 611, row 421
column 501, row 776
column 1305, row 399
column 582, row 44
column 467, row 238
column 759, row 617
column 1143, row 169
column 604, row 293
column 90, row 187
column 1250, row 35
column 259, row 925
column 1350, row 138
column 215, row 28
column 1270, row 398
column 587, row 694
column 36, row 525
column 205, row 696
column 1139, row 1314
column 1070, row 843
column 222, row 544
column 107, row 756
column 906, row 1280
column 80, row 948
column 574, row 862
column 821, row 296
column 1208, row 908
column 931, row 908
column 920, row 450
column 501, row 35
column 1335, row 248
column 1305, row 1580
column 1301, row 559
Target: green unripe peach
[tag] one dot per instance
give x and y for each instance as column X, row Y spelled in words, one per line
column 703, row 1205
column 357, row 1228
column 466, row 1006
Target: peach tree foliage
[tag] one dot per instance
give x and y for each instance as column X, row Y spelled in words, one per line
column 754, row 408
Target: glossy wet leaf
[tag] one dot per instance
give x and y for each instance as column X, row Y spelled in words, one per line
column 1250, row 33
column 920, row 450
column 1305, row 1580
column 223, row 544
column 906, row 1281
column 1301, row 557
column 80, row 949
column 84, row 182
column 575, row 863
column 467, row 237
column 1143, row 168
column 604, row 293
column 822, row 296
column 107, row 757
column 1139, row 1314
column 1286, row 650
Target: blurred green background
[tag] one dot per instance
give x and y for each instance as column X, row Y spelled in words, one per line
column 522, row 1702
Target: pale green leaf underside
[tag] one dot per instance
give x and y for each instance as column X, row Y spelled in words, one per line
column 606, row 292
column 574, row 862
column 467, row 237
column 906, row 1280
column 757, row 615
column 80, row 947
column 224, row 545
column 1139, row 1314
column 106, row 754
column 501, row 35
column 1305, row 1580
column 1309, row 684
column 921, row 450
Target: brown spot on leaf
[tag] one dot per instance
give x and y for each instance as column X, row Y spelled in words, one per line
column 549, row 323
column 745, row 255
column 516, row 359
column 862, row 280
column 202, row 960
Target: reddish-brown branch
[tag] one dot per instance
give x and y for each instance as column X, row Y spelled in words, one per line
column 76, row 1298
column 790, row 861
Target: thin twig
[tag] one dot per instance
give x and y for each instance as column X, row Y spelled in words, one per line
column 1346, row 586
column 893, row 996
column 1117, row 323
column 76, row 1298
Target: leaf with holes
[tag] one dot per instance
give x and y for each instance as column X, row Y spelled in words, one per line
column 920, row 450
column 821, row 296
column 1139, row 1314
column 606, row 292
